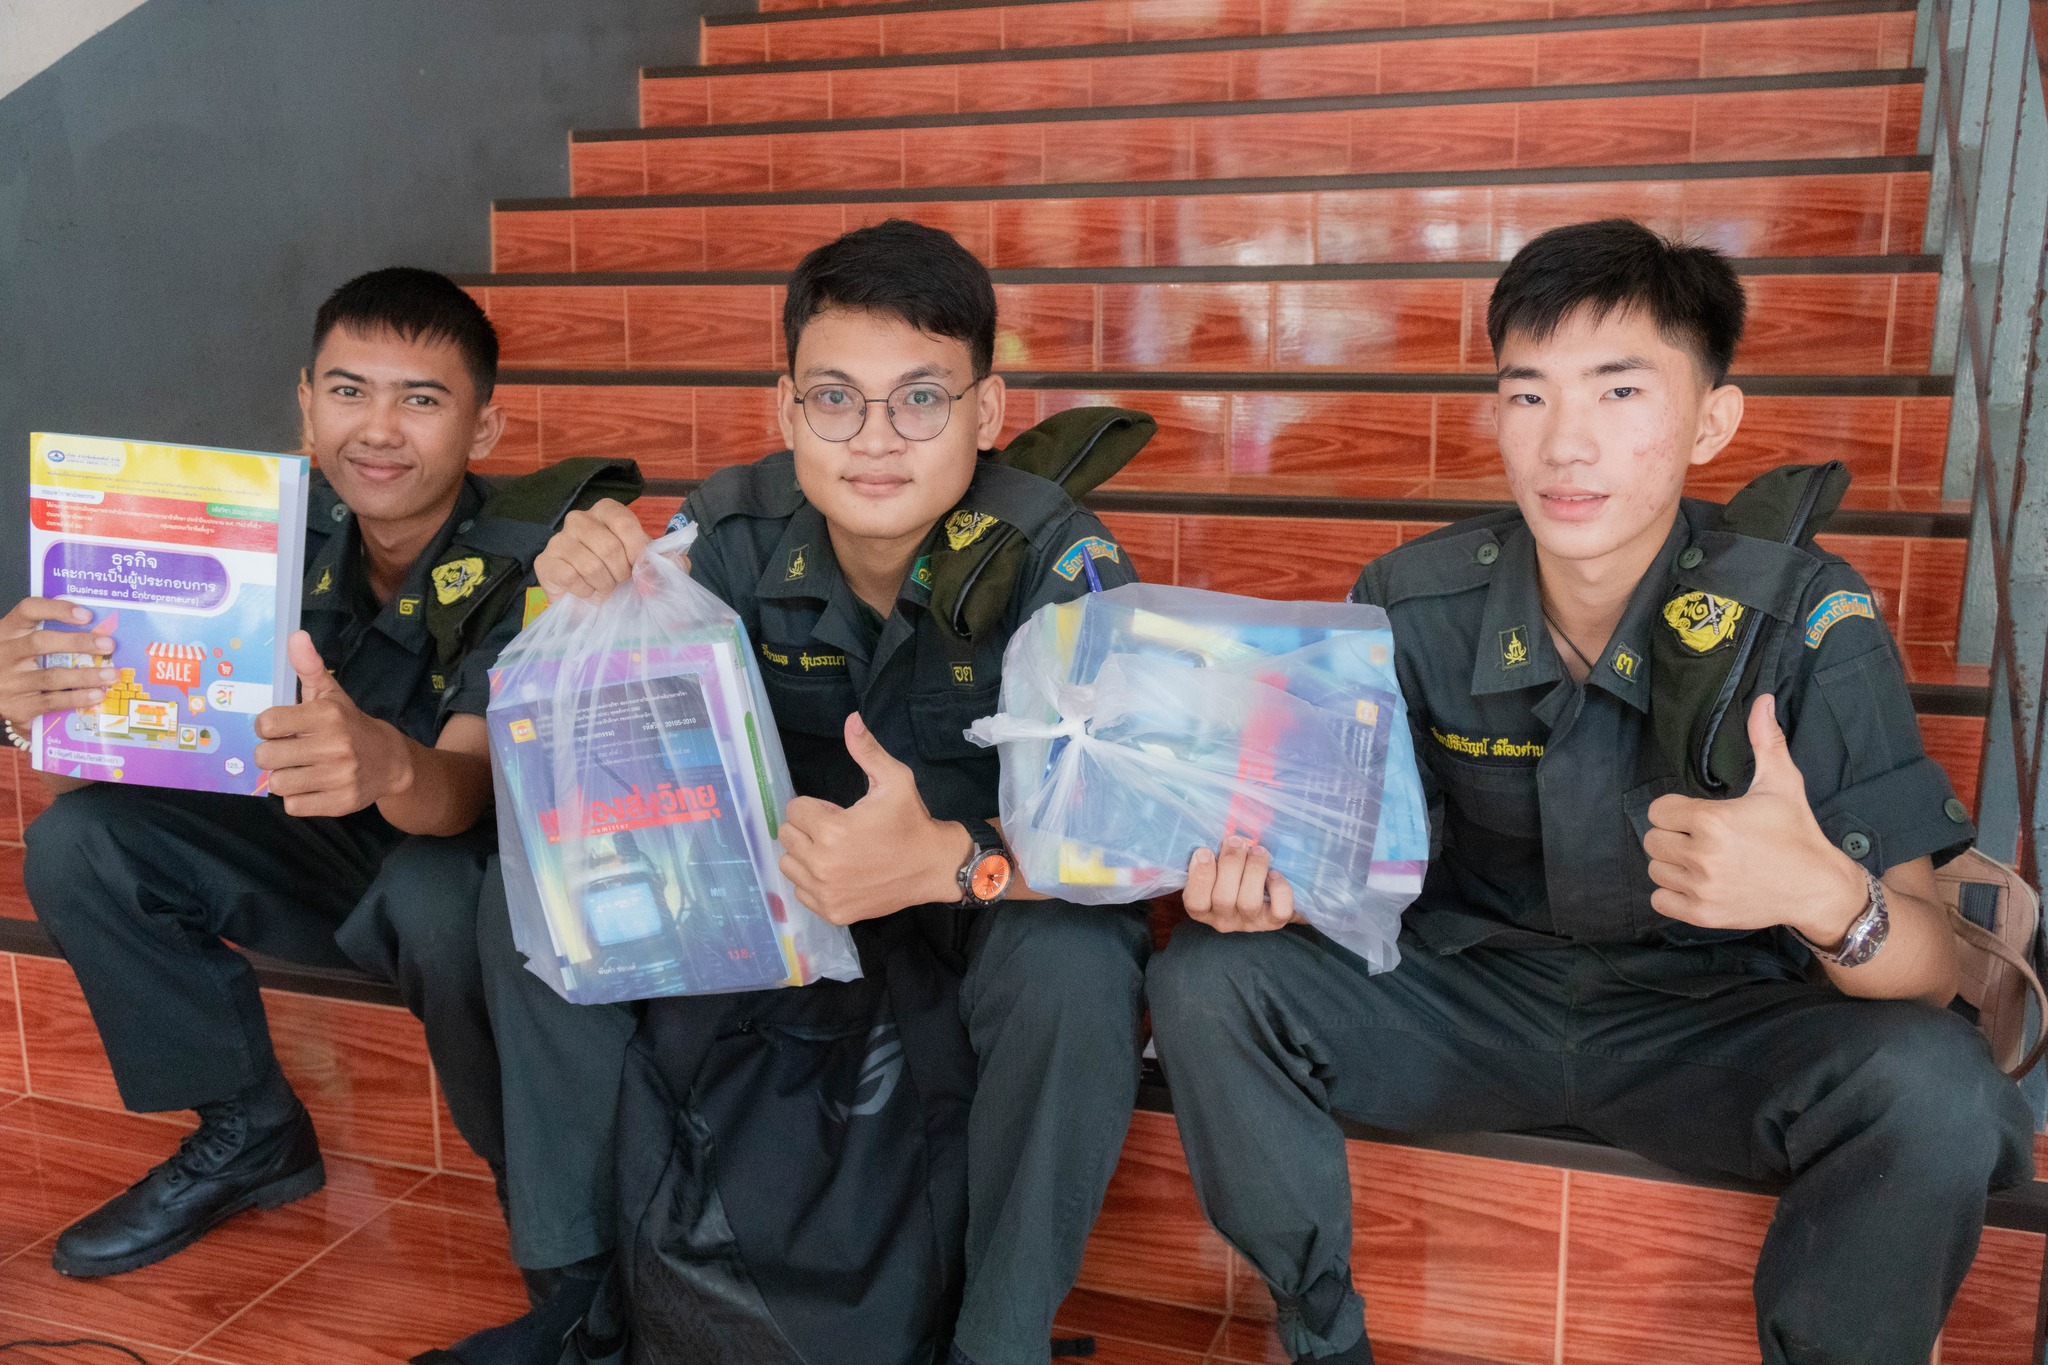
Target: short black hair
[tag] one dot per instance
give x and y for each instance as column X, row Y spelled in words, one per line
column 1615, row 265
column 416, row 304
column 905, row 269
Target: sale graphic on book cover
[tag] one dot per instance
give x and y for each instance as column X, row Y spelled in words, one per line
column 189, row 557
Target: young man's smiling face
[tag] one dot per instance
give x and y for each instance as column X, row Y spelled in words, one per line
column 879, row 485
column 393, row 423
column 1599, row 423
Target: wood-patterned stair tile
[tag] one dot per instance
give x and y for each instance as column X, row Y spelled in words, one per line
column 701, row 327
column 1826, row 215
column 636, row 239
column 14, row 770
column 1912, row 343
column 518, row 449
column 721, row 46
column 1368, row 325
column 857, row 37
column 966, row 220
column 1340, row 442
column 61, row 1043
column 1992, row 1319
column 362, row 1073
column 1304, row 559
column 608, row 168
column 864, row 159
column 1270, row 144
column 1321, row 16
column 1132, row 149
column 1459, row 64
column 1902, row 120
column 1045, row 327
column 1649, row 1264
column 1521, row 212
column 1923, row 442
column 1815, row 324
column 973, row 30
column 1778, row 47
column 1467, row 442
column 767, row 236
column 1191, row 449
column 1228, row 229
column 1151, row 1241
column 1364, row 226
column 768, row 99
column 560, row 326
column 1455, row 137
column 735, row 426
column 1068, row 233
column 1479, row 11
column 1957, row 744
column 46, row 1181
column 1792, row 123
column 1640, row 54
column 13, row 1070
column 897, row 90
column 1108, row 1316
column 1002, row 154
column 675, row 101
column 1860, row 432
column 1191, row 326
column 1064, row 84
column 1608, row 132
column 1155, row 21
column 534, row 242
column 1895, row 49
column 1907, row 229
column 1882, row 562
column 1104, row 21
column 653, row 425
column 1167, row 78
column 1286, row 73
column 1150, row 539
column 1933, row 582
column 704, row 165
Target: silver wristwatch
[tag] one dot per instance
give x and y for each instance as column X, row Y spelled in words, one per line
column 1867, row 932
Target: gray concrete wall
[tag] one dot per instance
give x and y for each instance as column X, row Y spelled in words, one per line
column 179, row 192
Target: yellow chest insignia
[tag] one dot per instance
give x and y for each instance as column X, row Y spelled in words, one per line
column 1625, row 663
column 326, row 582
column 796, row 564
column 1702, row 621
column 964, row 528
column 1514, row 648
column 457, row 579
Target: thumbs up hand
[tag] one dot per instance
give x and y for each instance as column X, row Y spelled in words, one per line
column 324, row 756
column 1757, row 860
column 881, row 854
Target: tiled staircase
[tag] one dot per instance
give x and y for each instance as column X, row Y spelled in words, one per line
column 1273, row 224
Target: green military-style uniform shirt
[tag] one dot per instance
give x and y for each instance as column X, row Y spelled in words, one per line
column 381, row 653
column 765, row 550
column 1540, row 788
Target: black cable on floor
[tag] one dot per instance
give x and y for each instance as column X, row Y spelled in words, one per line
column 27, row 1342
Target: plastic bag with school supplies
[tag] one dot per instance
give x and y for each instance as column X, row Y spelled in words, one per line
column 640, row 785
column 1142, row 723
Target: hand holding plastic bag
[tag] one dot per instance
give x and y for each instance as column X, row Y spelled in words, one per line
column 1140, row 724
column 640, row 784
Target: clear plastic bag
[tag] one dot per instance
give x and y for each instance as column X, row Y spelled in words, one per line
column 640, row 856
column 1142, row 723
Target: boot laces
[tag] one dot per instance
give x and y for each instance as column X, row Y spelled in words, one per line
column 219, row 1138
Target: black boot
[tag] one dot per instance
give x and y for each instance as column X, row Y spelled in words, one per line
column 537, row 1338
column 225, row 1166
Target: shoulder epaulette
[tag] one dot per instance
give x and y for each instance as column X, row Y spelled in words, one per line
column 1449, row 560
column 766, row 487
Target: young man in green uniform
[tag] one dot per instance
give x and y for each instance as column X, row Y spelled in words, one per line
column 1593, row 947
column 826, row 555
column 375, row 854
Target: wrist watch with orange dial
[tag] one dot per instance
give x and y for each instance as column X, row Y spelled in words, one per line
column 985, row 876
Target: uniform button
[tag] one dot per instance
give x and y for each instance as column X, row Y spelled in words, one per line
column 340, row 512
column 1856, row 844
column 1692, row 558
column 1957, row 811
column 465, row 526
column 1487, row 553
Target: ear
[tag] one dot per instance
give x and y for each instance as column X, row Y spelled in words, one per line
column 306, row 411
column 1720, row 415
column 989, row 408
column 490, row 427
column 786, row 415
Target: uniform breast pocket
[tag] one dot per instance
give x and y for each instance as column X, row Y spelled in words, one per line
column 940, row 720
column 810, row 706
column 1499, row 797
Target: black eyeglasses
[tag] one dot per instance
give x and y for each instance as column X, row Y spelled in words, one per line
column 918, row 412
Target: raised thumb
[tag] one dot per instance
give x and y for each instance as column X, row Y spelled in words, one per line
column 879, row 764
column 315, row 682
column 1775, row 770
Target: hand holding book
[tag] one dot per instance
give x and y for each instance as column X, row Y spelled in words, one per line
column 27, row 688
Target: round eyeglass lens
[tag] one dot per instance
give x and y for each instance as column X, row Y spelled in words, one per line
column 837, row 412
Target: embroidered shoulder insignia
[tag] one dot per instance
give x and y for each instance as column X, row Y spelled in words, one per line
column 1068, row 565
column 1834, row 608
column 963, row 528
column 457, row 579
column 1703, row 622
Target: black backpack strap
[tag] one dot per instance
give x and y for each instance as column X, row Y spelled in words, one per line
column 478, row 578
column 981, row 548
column 1712, row 650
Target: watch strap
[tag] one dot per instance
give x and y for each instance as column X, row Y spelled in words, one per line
column 1867, row 932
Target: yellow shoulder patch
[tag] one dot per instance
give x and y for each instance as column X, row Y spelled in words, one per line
column 457, row 579
column 964, row 528
column 1701, row 621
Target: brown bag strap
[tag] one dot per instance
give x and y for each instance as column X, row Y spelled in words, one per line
column 1979, row 937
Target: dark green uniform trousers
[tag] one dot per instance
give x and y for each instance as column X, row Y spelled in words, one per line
column 1886, row 1119
column 140, row 886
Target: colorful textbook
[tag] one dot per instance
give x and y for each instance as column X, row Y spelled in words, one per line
column 190, row 558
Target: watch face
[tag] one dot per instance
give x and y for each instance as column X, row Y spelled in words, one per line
column 990, row 878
